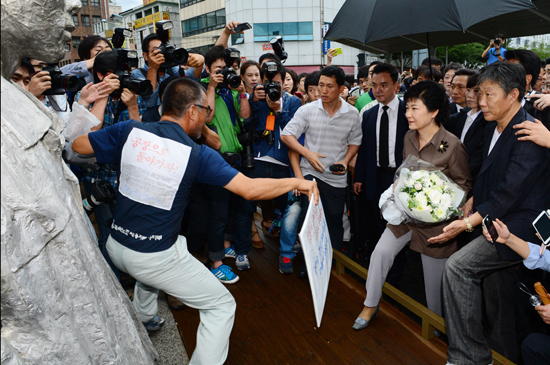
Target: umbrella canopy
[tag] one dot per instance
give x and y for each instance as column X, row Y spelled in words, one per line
column 386, row 26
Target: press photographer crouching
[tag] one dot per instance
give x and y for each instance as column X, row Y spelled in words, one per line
column 163, row 60
column 272, row 110
column 118, row 104
column 226, row 95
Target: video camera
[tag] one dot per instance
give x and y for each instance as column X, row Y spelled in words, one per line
column 278, row 46
column 172, row 56
column 230, row 77
column 271, row 88
column 126, row 60
column 61, row 83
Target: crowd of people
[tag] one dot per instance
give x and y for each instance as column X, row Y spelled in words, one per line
column 191, row 160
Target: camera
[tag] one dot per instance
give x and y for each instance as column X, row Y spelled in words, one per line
column 230, row 77
column 100, row 192
column 496, row 41
column 272, row 89
column 126, row 60
column 278, row 46
column 172, row 56
column 61, row 83
column 247, row 139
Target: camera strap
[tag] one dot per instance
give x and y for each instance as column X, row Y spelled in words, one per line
column 229, row 102
column 120, row 107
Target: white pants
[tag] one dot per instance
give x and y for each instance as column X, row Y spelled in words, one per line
column 381, row 261
column 178, row 273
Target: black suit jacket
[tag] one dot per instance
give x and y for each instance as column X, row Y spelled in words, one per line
column 543, row 116
column 473, row 141
column 365, row 167
column 513, row 184
column 454, row 110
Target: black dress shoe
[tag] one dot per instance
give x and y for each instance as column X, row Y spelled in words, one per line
column 302, row 270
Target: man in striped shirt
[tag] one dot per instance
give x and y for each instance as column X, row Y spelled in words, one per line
column 332, row 137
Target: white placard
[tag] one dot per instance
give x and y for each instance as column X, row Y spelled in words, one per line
column 151, row 168
column 317, row 248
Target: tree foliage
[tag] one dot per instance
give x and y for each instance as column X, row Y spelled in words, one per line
column 541, row 49
column 468, row 54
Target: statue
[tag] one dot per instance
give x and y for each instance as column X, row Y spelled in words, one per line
column 60, row 301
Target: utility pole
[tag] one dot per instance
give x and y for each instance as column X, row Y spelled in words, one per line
column 322, row 13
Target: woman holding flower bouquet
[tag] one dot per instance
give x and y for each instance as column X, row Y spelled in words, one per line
column 427, row 111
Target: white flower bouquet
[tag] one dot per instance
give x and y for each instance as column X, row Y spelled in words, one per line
column 421, row 193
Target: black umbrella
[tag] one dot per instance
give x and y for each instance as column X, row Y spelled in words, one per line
column 386, row 26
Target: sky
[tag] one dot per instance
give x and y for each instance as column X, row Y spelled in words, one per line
column 128, row 4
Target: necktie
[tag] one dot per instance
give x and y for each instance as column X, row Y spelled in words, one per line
column 383, row 150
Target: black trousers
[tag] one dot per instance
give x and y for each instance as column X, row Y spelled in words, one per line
column 333, row 200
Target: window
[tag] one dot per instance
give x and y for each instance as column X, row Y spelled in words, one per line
column 96, row 19
column 291, row 31
column 84, row 2
column 156, row 9
column 148, row 12
column 75, row 20
column 139, row 15
column 186, row 3
column 76, row 42
column 203, row 23
column 94, row 2
column 85, row 20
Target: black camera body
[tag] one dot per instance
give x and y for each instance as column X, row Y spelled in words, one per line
column 172, row 56
column 61, row 83
column 137, row 86
column 271, row 88
column 100, row 192
column 230, row 78
column 278, row 46
column 496, row 41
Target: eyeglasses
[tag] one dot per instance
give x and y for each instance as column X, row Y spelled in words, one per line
column 207, row 108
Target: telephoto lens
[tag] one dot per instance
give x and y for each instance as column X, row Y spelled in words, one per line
column 61, row 83
column 248, row 156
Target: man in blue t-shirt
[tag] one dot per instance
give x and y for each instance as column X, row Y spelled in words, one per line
column 495, row 51
column 158, row 165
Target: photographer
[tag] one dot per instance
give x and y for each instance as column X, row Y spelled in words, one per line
column 124, row 105
column 226, row 95
column 87, row 50
column 156, row 73
column 272, row 109
column 495, row 50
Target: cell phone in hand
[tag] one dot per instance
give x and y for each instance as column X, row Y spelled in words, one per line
column 490, row 227
column 298, row 94
column 337, row 167
column 337, row 51
column 241, row 27
column 542, row 226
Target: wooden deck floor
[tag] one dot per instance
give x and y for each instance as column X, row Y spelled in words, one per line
column 275, row 322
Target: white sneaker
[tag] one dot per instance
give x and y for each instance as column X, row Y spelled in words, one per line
column 242, row 263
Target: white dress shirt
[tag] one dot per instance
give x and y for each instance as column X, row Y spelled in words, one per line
column 392, row 130
column 469, row 121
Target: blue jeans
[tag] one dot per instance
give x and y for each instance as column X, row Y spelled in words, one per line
column 289, row 227
column 103, row 217
column 246, row 209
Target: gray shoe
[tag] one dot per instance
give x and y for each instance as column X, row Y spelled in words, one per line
column 361, row 323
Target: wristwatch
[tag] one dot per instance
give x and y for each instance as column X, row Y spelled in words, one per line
column 468, row 225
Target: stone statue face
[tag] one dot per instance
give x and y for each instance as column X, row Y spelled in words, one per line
column 38, row 28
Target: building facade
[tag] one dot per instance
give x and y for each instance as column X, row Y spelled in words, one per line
column 202, row 22
column 141, row 20
column 92, row 12
column 301, row 24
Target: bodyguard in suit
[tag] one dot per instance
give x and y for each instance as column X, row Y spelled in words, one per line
column 469, row 126
column 381, row 152
column 512, row 185
column 458, row 89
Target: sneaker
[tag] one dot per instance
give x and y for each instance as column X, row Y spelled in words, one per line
column 230, row 252
column 285, row 265
column 224, row 274
column 242, row 262
column 154, row 324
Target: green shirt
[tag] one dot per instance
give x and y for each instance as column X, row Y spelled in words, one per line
column 362, row 101
column 222, row 122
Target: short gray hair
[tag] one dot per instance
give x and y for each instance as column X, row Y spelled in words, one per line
column 508, row 76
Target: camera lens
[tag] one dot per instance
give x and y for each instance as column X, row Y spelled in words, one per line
column 234, row 81
column 71, row 83
column 180, row 56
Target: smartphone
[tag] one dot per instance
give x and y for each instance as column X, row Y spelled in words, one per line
column 490, row 227
column 337, row 51
column 542, row 226
column 241, row 27
column 299, row 94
